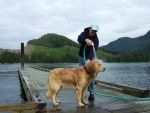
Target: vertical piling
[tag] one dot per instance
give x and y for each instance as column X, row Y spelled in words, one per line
column 22, row 55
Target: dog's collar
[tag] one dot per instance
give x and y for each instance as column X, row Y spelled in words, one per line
column 87, row 71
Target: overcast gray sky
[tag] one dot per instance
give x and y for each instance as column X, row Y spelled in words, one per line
column 23, row 20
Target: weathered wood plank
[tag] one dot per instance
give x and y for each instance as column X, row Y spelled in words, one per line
column 134, row 91
column 18, row 106
column 145, row 112
column 31, row 92
column 24, row 111
column 134, row 108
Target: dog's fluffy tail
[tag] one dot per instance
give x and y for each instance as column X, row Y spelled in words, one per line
column 48, row 94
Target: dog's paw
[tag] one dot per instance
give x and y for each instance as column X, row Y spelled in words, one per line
column 81, row 104
column 56, row 104
column 59, row 101
column 86, row 102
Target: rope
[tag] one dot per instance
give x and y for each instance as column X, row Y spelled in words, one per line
column 112, row 96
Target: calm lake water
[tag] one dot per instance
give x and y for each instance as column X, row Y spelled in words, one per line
column 135, row 74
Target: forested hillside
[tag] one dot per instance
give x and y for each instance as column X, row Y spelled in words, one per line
column 53, row 41
column 126, row 44
column 64, row 54
column 53, row 48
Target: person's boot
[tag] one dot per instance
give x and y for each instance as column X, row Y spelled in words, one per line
column 91, row 96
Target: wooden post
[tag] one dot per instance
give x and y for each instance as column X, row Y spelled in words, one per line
column 22, row 55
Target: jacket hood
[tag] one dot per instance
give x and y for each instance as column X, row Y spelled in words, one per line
column 86, row 30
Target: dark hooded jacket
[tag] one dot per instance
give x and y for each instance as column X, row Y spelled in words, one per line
column 89, row 53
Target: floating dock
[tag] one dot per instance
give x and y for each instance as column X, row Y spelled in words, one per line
column 34, row 82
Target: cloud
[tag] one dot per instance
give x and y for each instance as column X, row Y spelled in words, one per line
column 22, row 21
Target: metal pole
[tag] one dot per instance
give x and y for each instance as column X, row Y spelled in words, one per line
column 22, row 55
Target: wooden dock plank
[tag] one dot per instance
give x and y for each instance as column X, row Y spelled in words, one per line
column 36, row 81
column 27, row 106
column 139, row 92
column 28, row 77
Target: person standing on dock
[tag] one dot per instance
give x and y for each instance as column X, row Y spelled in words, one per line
column 88, row 37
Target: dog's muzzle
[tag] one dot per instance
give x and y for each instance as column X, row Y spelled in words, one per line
column 102, row 70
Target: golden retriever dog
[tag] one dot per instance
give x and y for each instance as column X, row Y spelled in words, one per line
column 79, row 78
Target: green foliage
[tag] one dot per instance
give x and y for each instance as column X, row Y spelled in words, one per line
column 52, row 48
column 128, row 57
column 10, row 57
column 54, row 55
column 126, row 44
column 69, row 54
column 53, row 41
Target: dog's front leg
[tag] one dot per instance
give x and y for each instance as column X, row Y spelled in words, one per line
column 83, row 97
column 54, row 99
column 57, row 100
column 78, row 95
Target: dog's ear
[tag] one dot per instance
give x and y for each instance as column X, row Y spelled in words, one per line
column 94, row 65
column 88, row 66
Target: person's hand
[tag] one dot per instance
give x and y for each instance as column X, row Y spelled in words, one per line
column 87, row 61
column 88, row 42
